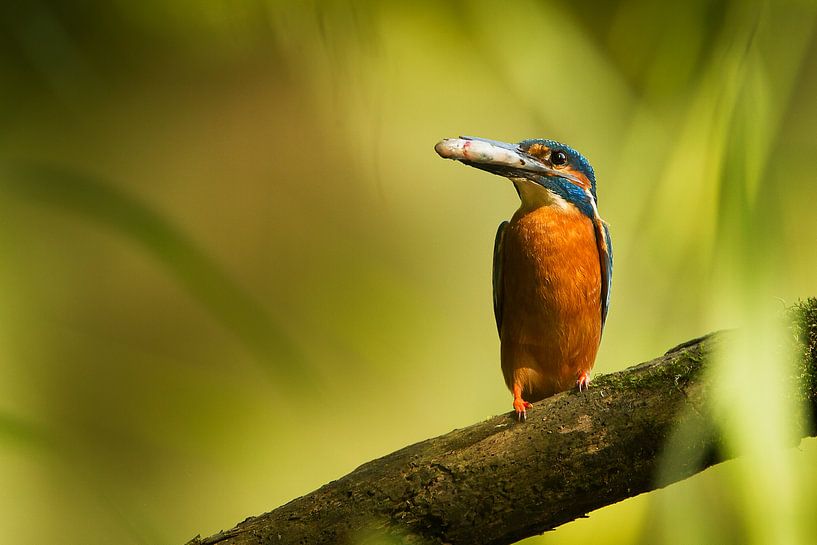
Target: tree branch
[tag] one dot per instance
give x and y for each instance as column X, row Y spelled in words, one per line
column 498, row 481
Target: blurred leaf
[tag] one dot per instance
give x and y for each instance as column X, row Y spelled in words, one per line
column 197, row 272
column 17, row 430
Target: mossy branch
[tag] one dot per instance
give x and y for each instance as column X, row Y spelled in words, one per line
column 498, row 481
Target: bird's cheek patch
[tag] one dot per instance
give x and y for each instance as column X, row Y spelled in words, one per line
column 582, row 180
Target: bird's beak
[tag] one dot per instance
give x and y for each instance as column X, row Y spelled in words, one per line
column 496, row 157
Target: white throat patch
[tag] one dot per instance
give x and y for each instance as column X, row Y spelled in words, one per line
column 535, row 196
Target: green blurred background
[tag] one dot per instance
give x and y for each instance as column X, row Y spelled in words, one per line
column 233, row 267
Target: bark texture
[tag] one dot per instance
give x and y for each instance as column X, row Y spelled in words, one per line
column 499, row 481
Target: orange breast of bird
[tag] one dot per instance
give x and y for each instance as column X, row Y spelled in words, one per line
column 551, row 317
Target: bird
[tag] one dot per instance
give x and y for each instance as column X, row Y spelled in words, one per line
column 552, row 265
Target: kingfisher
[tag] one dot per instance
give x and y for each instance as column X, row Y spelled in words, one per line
column 553, row 265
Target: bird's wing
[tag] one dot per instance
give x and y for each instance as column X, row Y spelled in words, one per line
column 605, row 246
column 497, row 274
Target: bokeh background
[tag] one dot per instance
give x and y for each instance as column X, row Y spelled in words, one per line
column 233, row 267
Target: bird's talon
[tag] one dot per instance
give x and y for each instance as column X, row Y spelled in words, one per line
column 583, row 382
column 521, row 406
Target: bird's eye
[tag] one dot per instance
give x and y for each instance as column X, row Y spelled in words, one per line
column 558, row 158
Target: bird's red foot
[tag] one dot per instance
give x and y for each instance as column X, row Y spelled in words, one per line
column 583, row 382
column 521, row 407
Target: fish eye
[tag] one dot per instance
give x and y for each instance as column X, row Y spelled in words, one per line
column 558, row 158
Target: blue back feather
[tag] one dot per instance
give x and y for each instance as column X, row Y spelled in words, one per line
column 605, row 304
